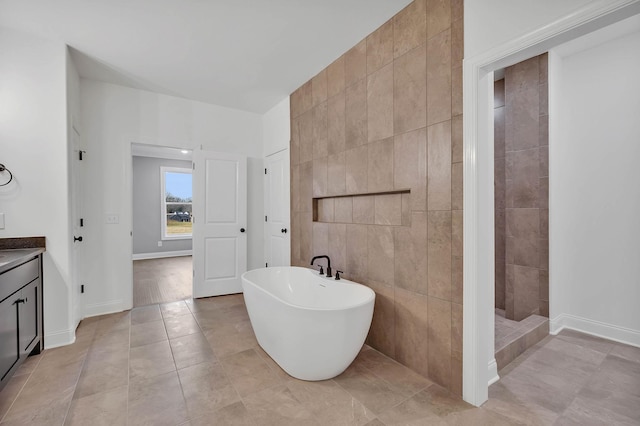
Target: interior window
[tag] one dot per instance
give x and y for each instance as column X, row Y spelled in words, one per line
column 176, row 203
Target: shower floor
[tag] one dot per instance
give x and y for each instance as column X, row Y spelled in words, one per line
column 512, row 338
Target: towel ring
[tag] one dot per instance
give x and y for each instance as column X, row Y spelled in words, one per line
column 4, row 169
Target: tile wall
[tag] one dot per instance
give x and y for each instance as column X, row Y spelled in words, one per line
column 522, row 190
column 376, row 181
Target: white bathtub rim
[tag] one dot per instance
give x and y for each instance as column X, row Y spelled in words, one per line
column 371, row 298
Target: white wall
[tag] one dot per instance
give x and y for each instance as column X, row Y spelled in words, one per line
column 112, row 118
column 490, row 23
column 33, row 145
column 594, row 189
column 276, row 128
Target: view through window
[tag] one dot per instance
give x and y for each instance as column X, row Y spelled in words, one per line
column 177, row 205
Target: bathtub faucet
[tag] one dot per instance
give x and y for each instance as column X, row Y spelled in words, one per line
column 328, row 263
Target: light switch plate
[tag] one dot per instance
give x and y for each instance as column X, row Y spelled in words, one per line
column 1, row 220
column 112, row 219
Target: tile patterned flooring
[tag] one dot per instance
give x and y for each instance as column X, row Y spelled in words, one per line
column 198, row 363
column 512, row 338
column 167, row 279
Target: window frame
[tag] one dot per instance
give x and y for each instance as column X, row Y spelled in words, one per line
column 163, row 203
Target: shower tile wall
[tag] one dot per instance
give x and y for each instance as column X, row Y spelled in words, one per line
column 522, row 244
column 387, row 117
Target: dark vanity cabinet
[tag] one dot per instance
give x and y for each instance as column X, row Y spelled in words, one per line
column 20, row 315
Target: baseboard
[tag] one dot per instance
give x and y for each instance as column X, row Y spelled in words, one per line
column 59, row 338
column 493, row 372
column 162, row 254
column 110, row 307
column 595, row 328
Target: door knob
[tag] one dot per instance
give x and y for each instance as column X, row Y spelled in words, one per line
column 77, row 239
column 283, row 230
column 241, row 229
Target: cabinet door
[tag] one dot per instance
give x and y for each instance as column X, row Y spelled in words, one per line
column 28, row 319
column 9, row 352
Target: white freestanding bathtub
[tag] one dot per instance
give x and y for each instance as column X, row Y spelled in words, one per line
column 312, row 326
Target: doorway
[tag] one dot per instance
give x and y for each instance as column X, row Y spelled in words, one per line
column 162, row 193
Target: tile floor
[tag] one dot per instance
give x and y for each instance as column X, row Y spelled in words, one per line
column 162, row 280
column 198, row 363
column 512, row 338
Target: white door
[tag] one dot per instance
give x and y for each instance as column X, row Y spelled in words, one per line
column 276, row 209
column 219, row 222
column 77, row 223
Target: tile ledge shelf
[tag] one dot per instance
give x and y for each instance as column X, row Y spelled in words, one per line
column 365, row 194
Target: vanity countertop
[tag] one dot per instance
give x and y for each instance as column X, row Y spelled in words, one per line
column 13, row 257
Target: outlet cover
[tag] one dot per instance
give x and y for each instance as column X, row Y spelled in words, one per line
column 159, row 243
column 112, row 219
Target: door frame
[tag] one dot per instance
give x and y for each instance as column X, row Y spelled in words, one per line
column 285, row 154
column 479, row 368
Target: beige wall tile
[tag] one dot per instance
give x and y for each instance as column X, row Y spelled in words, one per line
column 406, row 209
column 319, row 87
column 522, row 105
column 388, row 209
column 355, row 63
column 456, row 186
column 294, row 153
column 295, row 238
column 457, row 42
column 498, row 93
column 336, row 124
column 457, row 9
column 456, row 233
column 305, row 126
column 306, row 97
column 521, row 174
column 320, row 177
column 382, row 332
column 411, row 254
column 439, row 346
column 335, row 77
column 380, row 47
column 380, row 104
column 326, row 210
column 320, row 239
column 525, row 291
column 410, row 166
column 344, row 209
column 320, row 142
column 356, row 169
column 456, row 279
column 456, row 139
column 306, row 187
column 306, row 236
column 438, row 16
column 356, row 253
column 380, row 165
column 381, row 254
column 338, row 246
column 411, row 322
column 410, row 27
column 363, row 209
column 336, row 174
column 456, row 90
column 456, row 331
column 499, row 148
column 294, row 103
column 356, row 114
column 439, row 254
column 439, row 166
column 410, row 90
column 295, row 188
column 439, row 78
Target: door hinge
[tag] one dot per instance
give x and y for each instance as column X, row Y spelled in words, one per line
column 81, row 222
column 80, row 154
column 265, row 218
column 193, row 165
column 266, row 265
column 265, row 171
column 82, row 288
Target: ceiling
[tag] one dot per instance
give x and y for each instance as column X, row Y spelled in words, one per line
column 244, row 54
